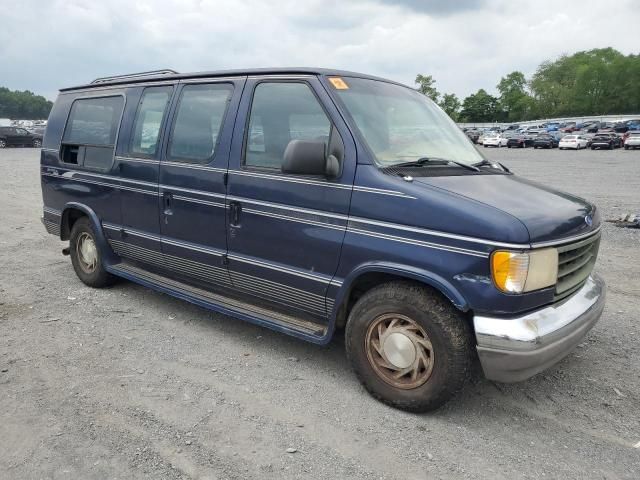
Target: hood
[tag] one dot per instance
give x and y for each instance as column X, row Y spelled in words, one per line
column 546, row 213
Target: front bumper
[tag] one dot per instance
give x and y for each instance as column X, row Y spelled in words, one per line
column 514, row 349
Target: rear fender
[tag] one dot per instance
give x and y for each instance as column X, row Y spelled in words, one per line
column 109, row 257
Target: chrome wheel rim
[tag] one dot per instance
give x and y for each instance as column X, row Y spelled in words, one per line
column 399, row 350
column 3, row 144
column 87, row 252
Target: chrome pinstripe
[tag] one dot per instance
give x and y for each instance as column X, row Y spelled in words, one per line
column 317, row 218
column 436, row 246
column 220, row 253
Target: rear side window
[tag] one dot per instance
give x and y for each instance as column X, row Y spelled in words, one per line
column 281, row 112
column 91, row 130
column 146, row 128
column 94, row 121
column 198, row 121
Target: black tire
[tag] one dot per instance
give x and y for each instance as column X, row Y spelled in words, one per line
column 3, row 143
column 37, row 143
column 96, row 277
column 446, row 329
column 626, row 147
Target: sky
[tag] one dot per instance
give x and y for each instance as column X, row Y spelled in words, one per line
column 465, row 44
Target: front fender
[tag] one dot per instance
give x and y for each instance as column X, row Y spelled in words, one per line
column 404, row 271
column 109, row 258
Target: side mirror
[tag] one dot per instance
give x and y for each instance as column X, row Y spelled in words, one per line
column 308, row 157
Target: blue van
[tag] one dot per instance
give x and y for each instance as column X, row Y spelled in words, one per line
column 311, row 200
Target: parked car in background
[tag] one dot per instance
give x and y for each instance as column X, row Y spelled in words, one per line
column 545, row 141
column 552, row 127
column 592, row 127
column 520, row 141
column 37, row 130
column 567, row 127
column 604, row 140
column 18, row 137
column 494, row 140
column 574, row 142
column 632, row 141
column 473, row 135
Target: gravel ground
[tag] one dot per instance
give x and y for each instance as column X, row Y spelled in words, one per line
column 128, row 383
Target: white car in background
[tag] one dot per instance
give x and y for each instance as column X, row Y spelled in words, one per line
column 575, row 142
column 632, row 141
column 494, row 140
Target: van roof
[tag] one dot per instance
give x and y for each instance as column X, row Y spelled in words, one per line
column 168, row 75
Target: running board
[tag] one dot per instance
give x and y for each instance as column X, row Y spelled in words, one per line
column 281, row 322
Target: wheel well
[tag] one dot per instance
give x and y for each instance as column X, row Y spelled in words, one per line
column 69, row 218
column 366, row 282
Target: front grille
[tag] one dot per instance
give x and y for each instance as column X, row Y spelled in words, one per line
column 575, row 262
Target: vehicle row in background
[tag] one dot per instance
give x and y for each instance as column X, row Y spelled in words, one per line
column 540, row 138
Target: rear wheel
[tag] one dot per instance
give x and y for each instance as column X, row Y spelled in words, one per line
column 86, row 255
column 3, row 143
column 409, row 347
column 37, row 143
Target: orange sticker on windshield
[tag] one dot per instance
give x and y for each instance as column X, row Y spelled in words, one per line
column 338, row 83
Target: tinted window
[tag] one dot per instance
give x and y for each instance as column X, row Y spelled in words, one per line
column 282, row 112
column 198, row 122
column 94, row 121
column 146, row 128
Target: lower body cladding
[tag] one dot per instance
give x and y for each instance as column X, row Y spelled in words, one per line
column 514, row 349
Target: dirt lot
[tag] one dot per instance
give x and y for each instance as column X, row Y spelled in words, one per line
column 128, row 383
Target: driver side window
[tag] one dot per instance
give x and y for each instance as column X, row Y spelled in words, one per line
column 281, row 112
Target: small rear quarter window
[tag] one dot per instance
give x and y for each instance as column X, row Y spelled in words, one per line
column 94, row 121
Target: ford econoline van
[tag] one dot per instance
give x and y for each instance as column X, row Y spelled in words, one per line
column 311, row 201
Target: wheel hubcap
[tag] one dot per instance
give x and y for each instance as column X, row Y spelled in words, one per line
column 87, row 252
column 399, row 351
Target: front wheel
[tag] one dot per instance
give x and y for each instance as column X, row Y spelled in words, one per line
column 86, row 255
column 409, row 347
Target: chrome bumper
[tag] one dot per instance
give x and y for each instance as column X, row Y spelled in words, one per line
column 514, row 349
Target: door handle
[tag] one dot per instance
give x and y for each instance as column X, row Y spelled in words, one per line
column 235, row 209
column 167, row 200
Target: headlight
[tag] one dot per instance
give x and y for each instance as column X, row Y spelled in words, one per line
column 517, row 272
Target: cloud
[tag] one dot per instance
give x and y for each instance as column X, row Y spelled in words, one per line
column 465, row 45
column 438, row 7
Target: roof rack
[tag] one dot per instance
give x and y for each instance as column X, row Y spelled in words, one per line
column 133, row 76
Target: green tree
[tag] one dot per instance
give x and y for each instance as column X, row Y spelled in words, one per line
column 514, row 102
column 451, row 105
column 426, row 86
column 23, row 105
column 593, row 82
column 479, row 107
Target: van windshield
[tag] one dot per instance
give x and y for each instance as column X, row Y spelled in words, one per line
column 401, row 125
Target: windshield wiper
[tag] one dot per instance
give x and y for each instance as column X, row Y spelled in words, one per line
column 487, row 163
column 425, row 161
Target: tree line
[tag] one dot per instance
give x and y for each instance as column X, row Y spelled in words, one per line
column 25, row 105
column 595, row 82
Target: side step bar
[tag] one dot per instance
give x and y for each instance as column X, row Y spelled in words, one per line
column 284, row 323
